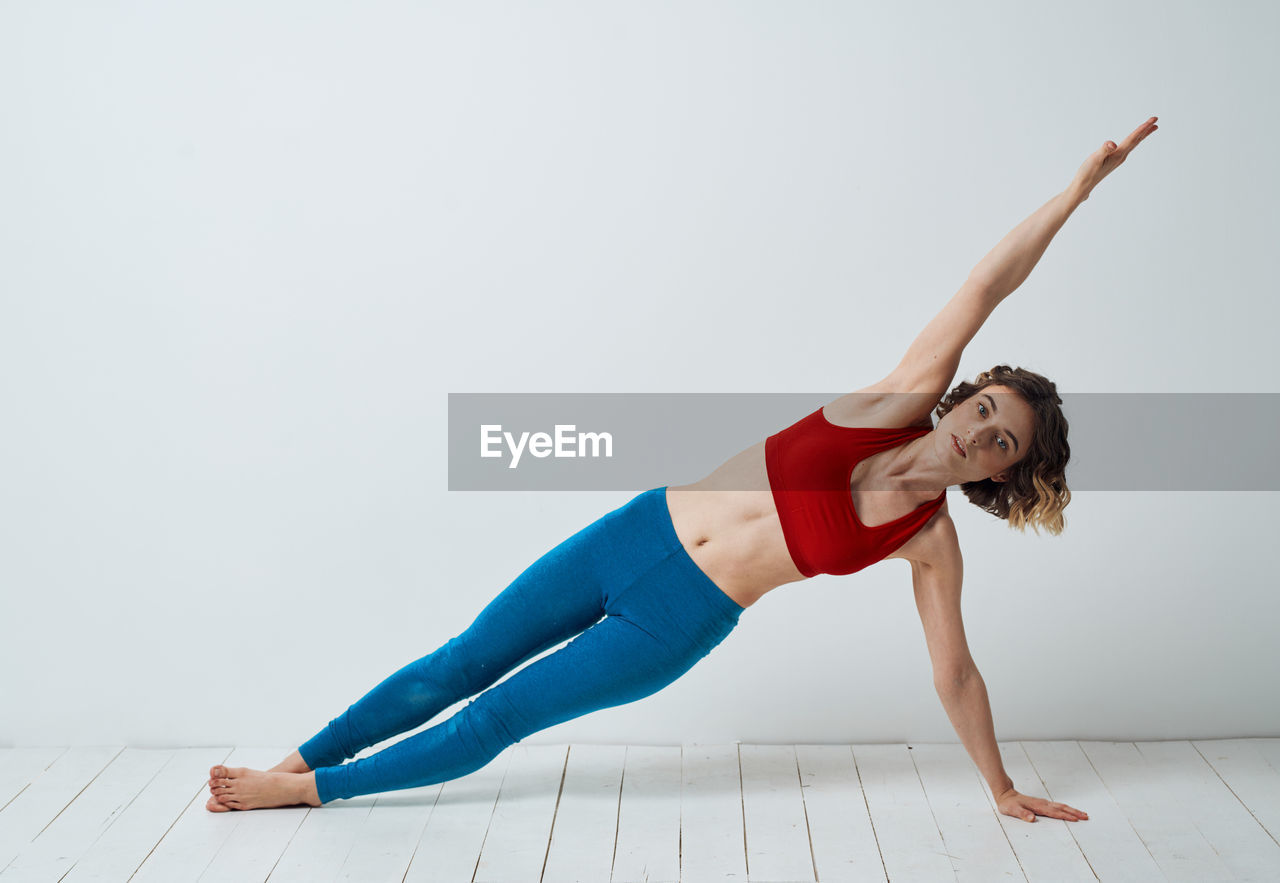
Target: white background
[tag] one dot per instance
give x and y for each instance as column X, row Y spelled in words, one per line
column 247, row 249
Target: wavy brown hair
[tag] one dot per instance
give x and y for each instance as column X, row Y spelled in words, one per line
column 1036, row 492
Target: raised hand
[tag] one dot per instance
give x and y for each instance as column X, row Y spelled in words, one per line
column 1025, row 807
column 1107, row 158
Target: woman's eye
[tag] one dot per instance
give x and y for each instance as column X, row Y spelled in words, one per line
column 982, row 409
column 1003, row 445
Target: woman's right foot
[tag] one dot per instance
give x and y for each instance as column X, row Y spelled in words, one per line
column 243, row 788
column 291, row 764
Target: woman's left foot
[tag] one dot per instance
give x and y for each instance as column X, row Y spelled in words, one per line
column 242, row 788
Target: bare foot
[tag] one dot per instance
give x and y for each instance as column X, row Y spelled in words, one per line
column 242, row 788
column 291, row 764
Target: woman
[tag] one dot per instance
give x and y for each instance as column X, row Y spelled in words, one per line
column 652, row 587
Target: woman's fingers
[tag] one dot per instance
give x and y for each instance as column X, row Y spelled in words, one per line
column 1108, row 157
column 1056, row 810
column 1122, row 151
column 1145, row 127
column 1136, row 136
column 1028, row 808
column 1070, row 813
column 1141, row 132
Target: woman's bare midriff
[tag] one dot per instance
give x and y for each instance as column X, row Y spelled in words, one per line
column 728, row 524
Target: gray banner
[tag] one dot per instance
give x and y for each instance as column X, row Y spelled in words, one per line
column 636, row 441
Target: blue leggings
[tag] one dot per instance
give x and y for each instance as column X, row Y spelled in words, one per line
column 643, row 614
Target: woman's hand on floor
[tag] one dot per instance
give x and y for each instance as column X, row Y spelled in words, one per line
column 1106, row 159
column 1022, row 806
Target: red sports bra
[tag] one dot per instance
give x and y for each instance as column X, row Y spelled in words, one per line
column 810, row 464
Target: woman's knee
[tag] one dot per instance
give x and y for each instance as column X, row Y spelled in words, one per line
column 454, row 670
column 488, row 724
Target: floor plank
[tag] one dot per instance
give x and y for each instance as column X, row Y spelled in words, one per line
column 959, row 798
column 450, row 844
column 389, row 836
column 1269, row 750
column 840, row 829
column 254, row 847
column 516, row 849
column 586, row 826
column 323, row 841
column 712, row 846
column 774, row 813
column 649, row 817
column 19, row 767
column 148, row 818
column 1113, row 850
column 48, row 794
column 1152, row 809
column 1242, row 844
column 68, row 837
column 368, row 838
column 1158, row 811
column 197, row 835
column 1046, row 848
column 910, row 842
column 1255, row 781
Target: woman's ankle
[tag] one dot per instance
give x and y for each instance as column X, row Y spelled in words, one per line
column 291, row 764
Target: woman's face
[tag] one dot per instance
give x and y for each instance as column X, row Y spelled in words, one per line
column 986, row 434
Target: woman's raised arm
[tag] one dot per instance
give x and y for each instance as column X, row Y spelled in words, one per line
column 1011, row 261
column 933, row 358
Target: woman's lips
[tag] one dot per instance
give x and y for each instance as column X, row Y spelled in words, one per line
column 955, row 443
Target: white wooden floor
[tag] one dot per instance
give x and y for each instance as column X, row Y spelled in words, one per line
column 1194, row 811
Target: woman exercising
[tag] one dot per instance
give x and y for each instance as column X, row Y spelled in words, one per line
column 653, row 586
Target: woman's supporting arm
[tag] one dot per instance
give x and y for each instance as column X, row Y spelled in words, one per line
column 965, row 700
column 969, row 709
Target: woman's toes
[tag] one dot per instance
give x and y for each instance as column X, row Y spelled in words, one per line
column 214, row 806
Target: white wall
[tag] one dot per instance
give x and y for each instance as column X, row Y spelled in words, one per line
column 248, row 249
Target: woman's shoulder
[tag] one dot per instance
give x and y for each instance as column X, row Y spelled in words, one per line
column 936, row 543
